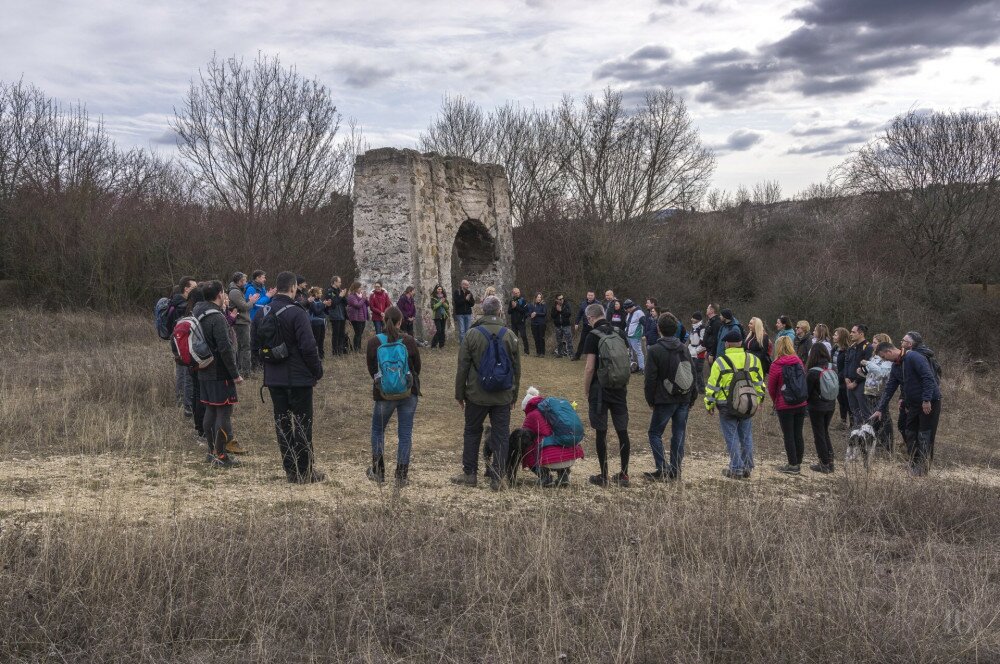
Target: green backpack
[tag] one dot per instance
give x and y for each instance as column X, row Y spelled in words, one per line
column 613, row 369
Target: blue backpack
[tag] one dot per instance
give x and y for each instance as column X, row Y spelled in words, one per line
column 567, row 429
column 161, row 314
column 393, row 380
column 496, row 371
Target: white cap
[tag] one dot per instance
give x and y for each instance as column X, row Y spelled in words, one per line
column 532, row 393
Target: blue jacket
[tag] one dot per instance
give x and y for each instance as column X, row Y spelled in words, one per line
column 724, row 329
column 317, row 312
column 262, row 302
column 919, row 380
column 651, row 332
column 540, row 309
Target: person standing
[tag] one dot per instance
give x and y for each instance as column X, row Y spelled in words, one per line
column 758, row 344
column 291, row 381
column 711, row 337
column 803, row 340
column 405, row 406
column 217, row 382
column 670, row 390
column 479, row 402
column 854, row 377
column 357, row 313
column 736, row 429
column 379, row 302
column 696, row 347
column 821, row 335
column 517, row 313
column 651, row 328
column 407, row 305
column 317, row 318
column 609, row 302
column 538, row 314
column 463, row 301
column 634, row 331
column 922, row 404
column 258, row 287
column 791, row 413
column 617, row 315
column 176, row 308
column 562, row 318
column 838, row 358
column 581, row 319
column 877, row 372
column 440, row 308
column 336, row 310
column 820, row 408
column 728, row 323
column 783, row 328
column 238, row 301
column 605, row 382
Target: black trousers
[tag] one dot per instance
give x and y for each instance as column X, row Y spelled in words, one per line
column 792, row 422
column 338, row 337
column 319, row 333
column 196, row 405
column 845, row 408
column 359, row 329
column 538, row 332
column 407, row 327
column 921, row 430
column 475, row 416
column 293, row 422
column 521, row 330
column 820, row 423
column 585, row 330
column 438, row 340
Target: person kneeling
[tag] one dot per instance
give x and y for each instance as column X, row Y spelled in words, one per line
column 555, row 434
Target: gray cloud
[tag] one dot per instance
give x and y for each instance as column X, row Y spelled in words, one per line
column 830, row 129
column 362, row 76
column 740, row 141
column 169, row 137
column 843, row 47
column 837, row 146
column 995, row 61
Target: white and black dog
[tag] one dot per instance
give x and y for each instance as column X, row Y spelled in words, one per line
column 861, row 443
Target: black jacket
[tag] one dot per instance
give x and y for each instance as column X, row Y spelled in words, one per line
column 302, row 368
column 711, row 339
column 852, row 360
column 338, row 309
column 460, row 306
column 216, row 330
column 562, row 318
column 175, row 310
column 662, row 362
column 803, row 346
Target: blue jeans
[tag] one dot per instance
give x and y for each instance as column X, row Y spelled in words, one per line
column 663, row 413
column 739, row 442
column 379, row 326
column 381, row 413
column 463, row 322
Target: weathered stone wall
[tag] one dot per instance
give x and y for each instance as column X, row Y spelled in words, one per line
column 408, row 210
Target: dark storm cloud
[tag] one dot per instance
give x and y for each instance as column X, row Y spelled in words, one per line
column 843, row 46
column 362, row 76
column 740, row 141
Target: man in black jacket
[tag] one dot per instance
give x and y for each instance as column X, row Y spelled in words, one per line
column 561, row 315
column 581, row 319
column 854, row 376
column 335, row 300
column 666, row 360
column 462, row 301
column 517, row 313
column 711, row 338
column 291, row 381
column 183, row 387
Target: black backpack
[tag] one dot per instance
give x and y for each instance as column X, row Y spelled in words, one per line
column 793, row 389
column 270, row 341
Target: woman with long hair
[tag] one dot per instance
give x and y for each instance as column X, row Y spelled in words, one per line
column 791, row 416
column 821, row 335
column 820, row 409
column 403, row 403
column 357, row 313
column 758, row 343
column 441, row 310
column 838, row 357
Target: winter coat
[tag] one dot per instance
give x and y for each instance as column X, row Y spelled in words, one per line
column 776, row 380
column 536, row 423
column 617, row 318
column 803, row 346
column 379, row 302
column 338, row 303
column 581, row 313
column 239, row 302
column 467, row 386
column 711, row 337
column 662, row 361
column 635, row 326
column 920, row 383
column 440, row 307
column 412, row 359
column 517, row 310
column 540, row 311
column 261, row 302
column 303, row 367
column 464, row 300
column 562, row 318
column 761, row 348
column 817, row 404
column 216, row 330
column 357, row 308
column 696, row 341
column 407, row 306
column 724, row 329
column 852, row 360
column 876, row 376
column 317, row 312
column 651, row 331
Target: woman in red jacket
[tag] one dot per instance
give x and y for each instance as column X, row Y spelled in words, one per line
column 553, row 457
column 791, row 416
column 379, row 302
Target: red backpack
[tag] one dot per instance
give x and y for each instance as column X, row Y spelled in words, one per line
column 188, row 342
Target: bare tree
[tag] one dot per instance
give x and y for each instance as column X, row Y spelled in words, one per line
column 461, row 129
column 934, row 181
column 260, row 137
column 766, row 192
column 22, row 112
column 526, row 143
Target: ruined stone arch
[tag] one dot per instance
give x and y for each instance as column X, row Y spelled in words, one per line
column 422, row 220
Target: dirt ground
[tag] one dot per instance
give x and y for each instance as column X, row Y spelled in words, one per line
column 171, row 478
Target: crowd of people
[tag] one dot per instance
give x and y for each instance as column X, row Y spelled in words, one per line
column 221, row 336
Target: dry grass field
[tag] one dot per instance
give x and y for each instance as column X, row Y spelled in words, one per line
column 119, row 543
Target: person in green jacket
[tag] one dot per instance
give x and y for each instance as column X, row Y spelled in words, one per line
column 478, row 403
column 441, row 310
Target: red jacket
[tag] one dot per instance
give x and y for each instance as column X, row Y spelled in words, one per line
column 535, row 422
column 775, row 381
column 379, row 302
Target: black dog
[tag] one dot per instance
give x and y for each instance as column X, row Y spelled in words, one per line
column 519, row 441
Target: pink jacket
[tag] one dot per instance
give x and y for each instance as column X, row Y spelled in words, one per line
column 379, row 302
column 775, row 381
column 535, row 422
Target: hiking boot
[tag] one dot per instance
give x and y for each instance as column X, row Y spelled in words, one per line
column 402, row 475
column 621, row 479
column 562, row 478
column 496, row 483
column 188, row 412
column 824, row 468
column 599, row 480
column 374, row 477
column 658, row 475
column 789, row 469
column 233, row 447
column 376, row 473
column 465, row 480
column 224, row 461
column 735, row 474
column 545, row 480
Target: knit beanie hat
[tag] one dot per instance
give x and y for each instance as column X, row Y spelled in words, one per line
column 532, row 393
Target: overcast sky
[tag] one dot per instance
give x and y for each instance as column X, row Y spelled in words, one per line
column 782, row 89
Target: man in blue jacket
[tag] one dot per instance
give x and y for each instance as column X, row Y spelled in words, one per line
column 258, row 287
column 922, row 402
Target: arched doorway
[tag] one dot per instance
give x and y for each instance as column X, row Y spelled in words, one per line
column 473, row 254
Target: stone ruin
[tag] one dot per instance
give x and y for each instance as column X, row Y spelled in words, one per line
column 421, row 220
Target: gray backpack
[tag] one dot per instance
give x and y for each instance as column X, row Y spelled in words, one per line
column 683, row 380
column 829, row 383
column 613, row 371
column 742, row 399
